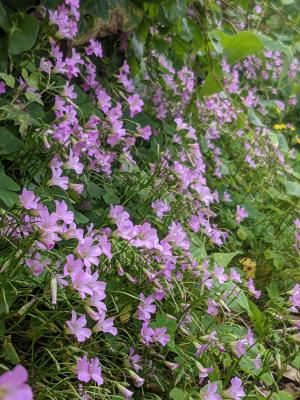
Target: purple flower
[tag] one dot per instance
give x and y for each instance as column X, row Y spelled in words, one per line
column 2, row 87
column 239, row 347
column 135, row 104
column 211, row 392
column 89, row 370
column 134, row 359
column 241, row 214
column 76, row 327
column 213, row 307
column 295, row 297
column 13, row 385
column 94, row 48
column 147, row 334
column 236, row 391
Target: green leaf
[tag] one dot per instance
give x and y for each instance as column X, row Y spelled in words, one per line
column 8, row 198
column 8, row 142
column 31, row 96
column 267, row 378
column 292, row 188
column 271, row 44
column 23, row 34
column 4, row 21
column 9, row 352
column 177, row 394
column 8, row 79
column 7, row 183
column 212, row 84
column 80, row 218
column 240, row 45
column 282, row 395
column 197, row 247
column 258, row 319
column 7, row 189
column 3, row 55
column 173, row 10
column 224, row 259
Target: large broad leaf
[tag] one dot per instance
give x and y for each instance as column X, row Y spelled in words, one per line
column 174, row 9
column 212, row 84
column 23, row 34
column 271, row 44
column 240, row 45
column 4, row 21
column 8, row 142
column 292, row 188
column 224, row 259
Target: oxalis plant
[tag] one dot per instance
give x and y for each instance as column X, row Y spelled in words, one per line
column 149, row 200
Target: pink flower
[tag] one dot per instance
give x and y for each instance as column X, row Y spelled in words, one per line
column 57, row 179
column 160, row 207
column 138, row 381
column 28, row 200
column 219, row 274
column 13, row 385
column 88, row 252
column 73, row 163
column 177, row 236
column 81, row 281
column 160, row 335
column 89, row 370
column 211, row 392
column 76, row 327
column 236, row 391
column 135, row 104
column 240, row 215
column 146, row 308
column 106, row 325
column 235, row 276
column 252, row 290
column 125, row 392
column 62, row 213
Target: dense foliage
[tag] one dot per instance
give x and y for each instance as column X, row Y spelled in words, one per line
column 149, row 199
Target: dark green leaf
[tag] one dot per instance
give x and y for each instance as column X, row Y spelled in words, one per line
column 8, row 142
column 4, row 21
column 23, row 34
